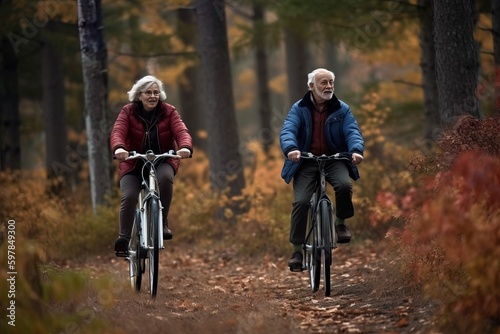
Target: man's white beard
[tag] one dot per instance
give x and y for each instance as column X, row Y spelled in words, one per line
column 324, row 96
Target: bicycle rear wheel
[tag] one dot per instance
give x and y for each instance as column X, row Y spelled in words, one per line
column 134, row 251
column 154, row 244
column 312, row 253
column 327, row 245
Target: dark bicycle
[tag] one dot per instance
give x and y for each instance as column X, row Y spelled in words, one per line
column 321, row 237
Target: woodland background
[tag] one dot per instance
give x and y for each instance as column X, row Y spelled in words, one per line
column 422, row 78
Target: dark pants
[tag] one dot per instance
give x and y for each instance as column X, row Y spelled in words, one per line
column 130, row 185
column 304, row 183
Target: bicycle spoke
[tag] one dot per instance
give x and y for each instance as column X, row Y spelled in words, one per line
column 153, row 242
column 134, row 257
column 326, row 243
column 312, row 253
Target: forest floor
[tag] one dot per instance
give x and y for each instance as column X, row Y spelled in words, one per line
column 221, row 291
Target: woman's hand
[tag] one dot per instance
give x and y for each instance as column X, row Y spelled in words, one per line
column 184, row 153
column 356, row 158
column 121, row 154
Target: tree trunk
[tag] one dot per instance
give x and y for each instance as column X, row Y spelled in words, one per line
column 296, row 64
column 93, row 51
column 456, row 59
column 266, row 134
column 189, row 81
column 9, row 109
column 226, row 169
column 428, row 65
column 54, row 114
column 495, row 14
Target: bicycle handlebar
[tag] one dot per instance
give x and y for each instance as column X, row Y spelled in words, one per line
column 150, row 156
column 337, row 156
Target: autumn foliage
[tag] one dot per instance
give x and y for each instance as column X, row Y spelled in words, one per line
column 450, row 242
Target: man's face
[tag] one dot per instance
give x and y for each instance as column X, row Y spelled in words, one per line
column 322, row 87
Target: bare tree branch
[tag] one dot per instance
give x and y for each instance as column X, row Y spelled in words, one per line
column 400, row 81
column 156, row 55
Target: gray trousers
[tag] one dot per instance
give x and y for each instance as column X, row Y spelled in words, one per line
column 304, row 182
column 130, row 185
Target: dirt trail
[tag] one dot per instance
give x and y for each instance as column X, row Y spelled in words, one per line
column 208, row 291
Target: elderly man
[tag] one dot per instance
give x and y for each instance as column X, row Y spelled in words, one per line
column 321, row 124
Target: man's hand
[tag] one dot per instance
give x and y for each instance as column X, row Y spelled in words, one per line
column 294, row 156
column 184, row 153
column 121, row 154
column 356, row 158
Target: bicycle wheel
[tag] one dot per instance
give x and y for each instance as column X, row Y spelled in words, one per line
column 312, row 253
column 153, row 244
column 134, row 259
column 327, row 245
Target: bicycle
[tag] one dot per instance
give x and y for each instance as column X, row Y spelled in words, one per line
column 146, row 238
column 321, row 237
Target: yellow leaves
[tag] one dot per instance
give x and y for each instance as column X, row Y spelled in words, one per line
column 374, row 116
column 52, row 214
column 65, row 10
column 278, row 84
column 245, row 97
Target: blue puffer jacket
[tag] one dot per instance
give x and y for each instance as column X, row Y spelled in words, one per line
column 341, row 131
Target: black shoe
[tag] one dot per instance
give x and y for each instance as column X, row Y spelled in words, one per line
column 121, row 246
column 295, row 263
column 167, row 233
column 343, row 234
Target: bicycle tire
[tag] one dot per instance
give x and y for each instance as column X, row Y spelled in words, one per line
column 327, row 245
column 154, row 244
column 313, row 256
column 135, row 268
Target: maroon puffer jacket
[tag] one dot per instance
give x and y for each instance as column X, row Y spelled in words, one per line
column 129, row 133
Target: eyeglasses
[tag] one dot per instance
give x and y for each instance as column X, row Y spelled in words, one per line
column 148, row 93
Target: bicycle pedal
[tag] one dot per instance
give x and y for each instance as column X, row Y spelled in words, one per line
column 296, row 269
column 121, row 253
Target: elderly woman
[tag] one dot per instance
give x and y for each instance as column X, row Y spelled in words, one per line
column 147, row 123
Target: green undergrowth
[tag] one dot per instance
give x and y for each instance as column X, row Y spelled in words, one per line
column 45, row 298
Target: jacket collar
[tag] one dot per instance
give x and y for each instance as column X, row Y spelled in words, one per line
column 332, row 105
column 138, row 108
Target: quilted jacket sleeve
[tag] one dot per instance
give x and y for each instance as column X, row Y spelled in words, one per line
column 290, row 131
column 180, row 132
column 352, row 134
column 118, row 137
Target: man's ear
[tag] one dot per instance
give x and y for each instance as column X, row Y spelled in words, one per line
column 311, row 84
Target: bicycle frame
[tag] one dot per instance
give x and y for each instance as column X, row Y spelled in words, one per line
column 321, row 238
column 320, row 195
column 150, row 236
column 149, row 189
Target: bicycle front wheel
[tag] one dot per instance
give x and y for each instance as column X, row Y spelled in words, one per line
column 312, row 253
column 134, row 258
column 326, row 245
column 153, row 244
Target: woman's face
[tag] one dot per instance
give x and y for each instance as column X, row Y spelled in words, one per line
column 150, row 97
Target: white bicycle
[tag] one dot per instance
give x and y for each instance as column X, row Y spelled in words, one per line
column 147, row 231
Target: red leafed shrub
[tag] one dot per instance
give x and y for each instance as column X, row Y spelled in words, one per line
column 468, row 133
column 451, row 242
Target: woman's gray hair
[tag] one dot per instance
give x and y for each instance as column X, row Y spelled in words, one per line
column 143, row 84
column 312, row 76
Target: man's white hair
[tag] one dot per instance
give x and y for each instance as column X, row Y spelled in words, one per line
column 142, row 85
column 311, row 77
